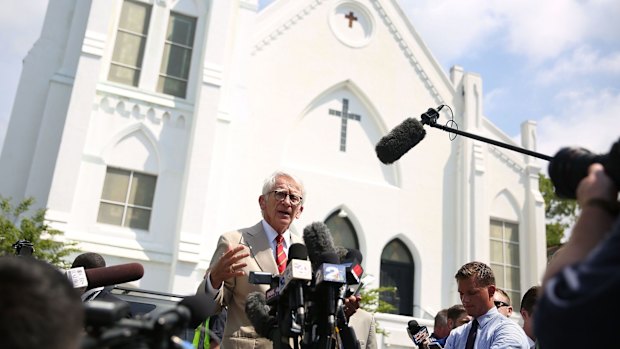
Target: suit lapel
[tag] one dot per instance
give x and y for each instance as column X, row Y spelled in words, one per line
column 260, row 249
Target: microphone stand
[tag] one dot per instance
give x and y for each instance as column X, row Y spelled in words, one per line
column 430, row 118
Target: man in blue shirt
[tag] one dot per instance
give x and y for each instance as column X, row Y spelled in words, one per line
column 488, row 328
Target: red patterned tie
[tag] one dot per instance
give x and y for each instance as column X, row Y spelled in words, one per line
column 280, row 255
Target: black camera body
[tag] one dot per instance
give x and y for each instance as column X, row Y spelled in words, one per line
column 570, row 165
column 23, row 248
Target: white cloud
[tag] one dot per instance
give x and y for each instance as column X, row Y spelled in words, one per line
column 491, row 97
column 584, row 62
column 537, row 30
column 589, row 119
column 541, row 30
column 453, row 28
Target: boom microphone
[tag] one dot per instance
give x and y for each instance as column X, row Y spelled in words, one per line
column 318, row 240
column 117, row 274
column 257, row 310
column 400, row 140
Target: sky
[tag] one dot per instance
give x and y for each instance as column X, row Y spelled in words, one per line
column 556, row 62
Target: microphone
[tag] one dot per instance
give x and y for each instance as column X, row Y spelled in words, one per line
column 117, row 274
column 400, row 140
column 353, row 261
column 197, row 306
column 330, row 276
column 257, row 310
column 416, row 332
column 318, row 240
column 297, row 274
column 298, row 267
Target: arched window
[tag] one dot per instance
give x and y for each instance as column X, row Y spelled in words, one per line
column 342, row 230
column 397, row 270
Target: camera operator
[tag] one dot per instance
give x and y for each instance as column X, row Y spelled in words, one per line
column 582, row 280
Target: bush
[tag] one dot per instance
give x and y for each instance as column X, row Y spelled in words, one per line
column 16, row 226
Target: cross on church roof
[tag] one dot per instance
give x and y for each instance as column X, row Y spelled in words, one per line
column 344, row 117
column 351, row 18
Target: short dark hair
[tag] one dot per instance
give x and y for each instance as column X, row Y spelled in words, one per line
column 482, row 274
column 88, row 260
column 456, row 311
column 499, row 290
column 39, row 308
column 441, row 318
column 529, row 299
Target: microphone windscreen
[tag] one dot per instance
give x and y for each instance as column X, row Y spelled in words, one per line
column 117, row 274
column 197, row 306
column 257, row 310
column 342, row 253
column 413, row 326
column 329, row 257
column 354, row 254
column 400, row 140
column 297, row 251
column 318, row 240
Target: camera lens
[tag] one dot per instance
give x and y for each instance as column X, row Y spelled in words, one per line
column 568, row 167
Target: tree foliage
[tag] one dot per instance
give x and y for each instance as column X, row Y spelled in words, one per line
column 372, row 302
column 16, row 224
column 559, row 213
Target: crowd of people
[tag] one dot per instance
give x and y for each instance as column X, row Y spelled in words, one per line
column 578, row 286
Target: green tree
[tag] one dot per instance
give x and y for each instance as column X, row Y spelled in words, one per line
column 372, row 302
column 559, row 213
column 16, row 225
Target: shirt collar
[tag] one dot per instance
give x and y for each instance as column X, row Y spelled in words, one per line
column 484, row 319
column 271, row 233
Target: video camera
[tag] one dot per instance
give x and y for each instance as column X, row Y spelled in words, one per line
column 23, row 248
column 107, row 325
column 570, row 165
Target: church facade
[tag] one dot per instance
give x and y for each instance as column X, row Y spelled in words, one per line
column 146, row 127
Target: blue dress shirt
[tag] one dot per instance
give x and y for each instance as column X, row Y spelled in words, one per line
column 495, row 332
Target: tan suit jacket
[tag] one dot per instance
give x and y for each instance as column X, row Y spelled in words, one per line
column 238, row 332
column 363, row 324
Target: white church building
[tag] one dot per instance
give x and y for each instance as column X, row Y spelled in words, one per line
column 147, row 127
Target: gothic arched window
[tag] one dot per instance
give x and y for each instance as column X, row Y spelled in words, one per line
column 342, row 230
column 397, row 270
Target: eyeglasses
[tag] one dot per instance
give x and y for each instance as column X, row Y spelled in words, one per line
column 499, row 304
column 281, row 195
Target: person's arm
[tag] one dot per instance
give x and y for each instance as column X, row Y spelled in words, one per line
column 371, row 343
column 596, row 195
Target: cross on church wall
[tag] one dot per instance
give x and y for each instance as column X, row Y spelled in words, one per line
column 344, row 117
column 351, row 17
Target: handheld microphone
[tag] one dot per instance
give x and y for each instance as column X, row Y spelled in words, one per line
column 400, row 140
column 318, row 240
column 117, row 274
column 352, row 258
column 295, row 278
column 330, row 276
column 298, row 267
column 257, row 310
column 416, row 332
